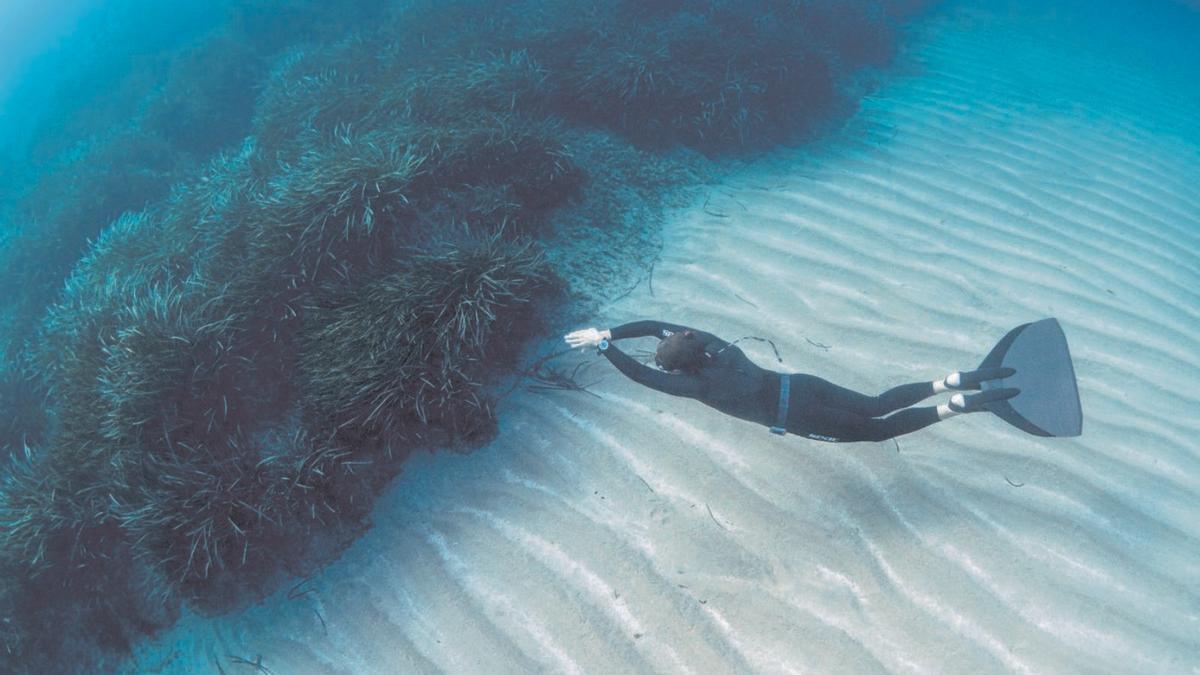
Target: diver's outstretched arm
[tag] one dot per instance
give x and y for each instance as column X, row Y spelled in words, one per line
column 660, row 330
column 677, row 384
column 590, row 337
column 645, row 327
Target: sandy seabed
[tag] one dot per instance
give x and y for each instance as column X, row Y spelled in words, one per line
column 1001, row 176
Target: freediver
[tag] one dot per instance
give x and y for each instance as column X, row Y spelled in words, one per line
column 700, row 365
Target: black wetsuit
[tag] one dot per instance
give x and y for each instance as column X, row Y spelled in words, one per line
column 817, row 408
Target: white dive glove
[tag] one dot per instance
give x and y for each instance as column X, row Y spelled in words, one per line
column 587, row 337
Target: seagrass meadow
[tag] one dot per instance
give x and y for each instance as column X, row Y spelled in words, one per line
column 256, row 261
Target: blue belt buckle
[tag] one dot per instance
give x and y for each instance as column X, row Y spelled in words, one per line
column 781, row 419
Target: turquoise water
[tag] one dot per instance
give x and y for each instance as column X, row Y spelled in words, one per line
column 229, row 227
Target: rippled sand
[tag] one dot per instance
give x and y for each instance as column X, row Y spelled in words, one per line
column 998, row 179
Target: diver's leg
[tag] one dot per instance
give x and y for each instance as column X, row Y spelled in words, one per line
column 839, row 425
column 835, row 396
column 903, row 396
column 826, row 423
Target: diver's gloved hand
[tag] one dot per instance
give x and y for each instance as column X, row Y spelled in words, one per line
column 586, row 337
column 968, row 403
column 973, row 378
